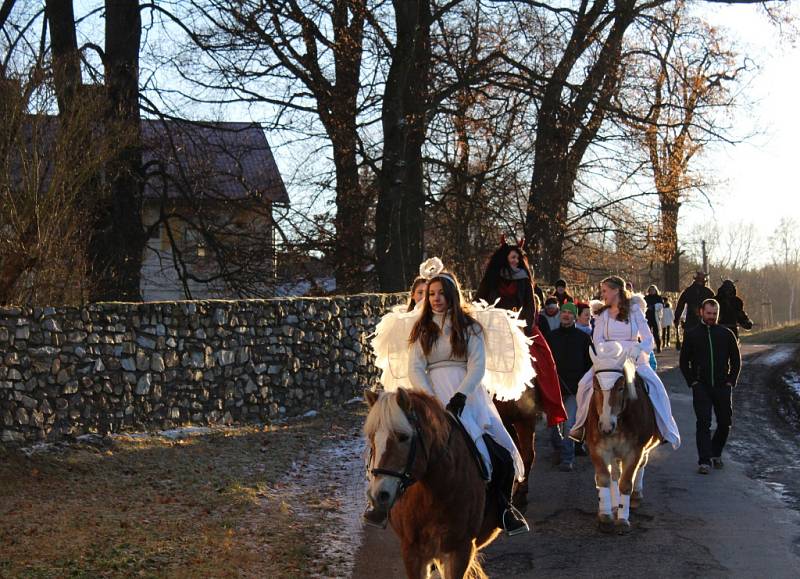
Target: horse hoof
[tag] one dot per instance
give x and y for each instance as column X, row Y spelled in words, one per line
column 605, row 524
column 623, row 526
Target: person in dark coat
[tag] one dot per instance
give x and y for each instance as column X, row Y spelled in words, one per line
column 655, row 307
column 691, row 298
column 731, row 308
column 549, row 317
column 508, row 277
column 570, row 347
column 710, row 362
column 561, row 293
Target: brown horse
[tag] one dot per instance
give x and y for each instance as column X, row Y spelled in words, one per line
column 621, row 430
column 424, row 478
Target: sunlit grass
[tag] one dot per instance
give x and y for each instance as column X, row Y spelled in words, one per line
column 782, row 334
column 197, row 507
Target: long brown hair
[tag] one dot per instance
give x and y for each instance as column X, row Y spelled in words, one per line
column 624, row 304
column 417, row 282
column 427, row 331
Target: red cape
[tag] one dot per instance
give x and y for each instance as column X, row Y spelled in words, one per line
column 547, row 379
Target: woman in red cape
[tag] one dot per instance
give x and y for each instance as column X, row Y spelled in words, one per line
column 508, row 279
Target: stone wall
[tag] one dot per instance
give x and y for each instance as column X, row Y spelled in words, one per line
column 114, row 366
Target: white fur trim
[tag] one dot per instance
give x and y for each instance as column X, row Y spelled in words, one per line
column 637, row 300
column 596, row 306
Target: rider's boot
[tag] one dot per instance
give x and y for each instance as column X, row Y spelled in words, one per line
column 513, row 522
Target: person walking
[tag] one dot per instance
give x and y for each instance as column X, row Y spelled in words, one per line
column 570, row 348
column 655, row 307
column 692, row 297
column 549, row 317
column 731, row 308
column 667, row 319
column 710, row 362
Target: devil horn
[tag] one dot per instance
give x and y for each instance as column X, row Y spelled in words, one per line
column 521, row 242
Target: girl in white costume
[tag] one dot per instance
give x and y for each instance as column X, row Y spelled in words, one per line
column 444, row 348
column 621, row 319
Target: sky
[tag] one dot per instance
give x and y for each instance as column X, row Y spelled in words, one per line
column 760, row 175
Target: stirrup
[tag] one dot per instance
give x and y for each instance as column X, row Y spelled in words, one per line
column 578, row 434
column 517, row 517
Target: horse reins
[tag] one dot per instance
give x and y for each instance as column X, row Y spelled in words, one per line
column 406, row 478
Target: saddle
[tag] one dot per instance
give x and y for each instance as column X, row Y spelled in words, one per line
column 501, row 484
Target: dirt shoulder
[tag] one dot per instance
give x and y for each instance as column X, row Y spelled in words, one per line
column 227, row 503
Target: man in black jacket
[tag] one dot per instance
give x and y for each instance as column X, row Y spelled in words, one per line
column 731, row 308
column 692, row 297
column 570, row 347
column 710, row 363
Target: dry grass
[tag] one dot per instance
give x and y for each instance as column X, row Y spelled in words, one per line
column 783, row 334
column 206, row 506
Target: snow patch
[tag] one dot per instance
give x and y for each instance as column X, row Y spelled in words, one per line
column 792, row 380
column 778, row 356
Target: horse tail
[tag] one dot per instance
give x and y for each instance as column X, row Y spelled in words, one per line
column 475, row 569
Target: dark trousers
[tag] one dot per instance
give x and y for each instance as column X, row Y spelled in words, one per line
column 666, row 336
column 656, row 331
column 705, row 398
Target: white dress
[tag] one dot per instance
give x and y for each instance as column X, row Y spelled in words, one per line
column 608, row 329
column 440, row 375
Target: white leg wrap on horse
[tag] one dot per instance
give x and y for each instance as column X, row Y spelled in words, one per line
column 604, row 493
column 624, row 510
column 614, row 492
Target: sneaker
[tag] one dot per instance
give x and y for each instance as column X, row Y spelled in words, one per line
column 566, row 467
column 704, row 469
column 716, row 462
column 514, row 523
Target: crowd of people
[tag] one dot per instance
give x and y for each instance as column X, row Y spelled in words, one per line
column 449, row 350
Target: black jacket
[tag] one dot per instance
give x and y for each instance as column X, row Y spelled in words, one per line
column 710, row 355
column 731, row 308
column 570, row 347
column 693, row 296
column 650, row 314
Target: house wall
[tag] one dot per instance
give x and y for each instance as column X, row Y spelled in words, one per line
column 160, row 280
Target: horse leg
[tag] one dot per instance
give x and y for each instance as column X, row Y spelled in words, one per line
column 462, row 563
column 417, row 566
column 602, row 480
column 630, row 465
column 638, row 483
column 525, row 434
column 615, row 475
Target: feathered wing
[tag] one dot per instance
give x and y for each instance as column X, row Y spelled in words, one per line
column 391, row 348
column 509, row 367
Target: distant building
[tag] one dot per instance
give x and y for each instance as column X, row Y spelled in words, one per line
column 207, row 177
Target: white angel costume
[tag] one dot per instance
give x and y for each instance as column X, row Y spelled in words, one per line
column 498, row 363
column 608, row 329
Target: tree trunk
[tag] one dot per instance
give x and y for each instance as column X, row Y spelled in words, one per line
column 669, row 244
column 352, row 204
column 118, row 240
column 399, row 226
column 64, row 47
column 566, row 129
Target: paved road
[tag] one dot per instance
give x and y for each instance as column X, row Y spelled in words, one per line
column 742, row 521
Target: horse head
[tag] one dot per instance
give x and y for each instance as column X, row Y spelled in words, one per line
column 402, row 429
column 613, row 383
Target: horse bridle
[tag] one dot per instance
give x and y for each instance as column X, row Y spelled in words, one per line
column 406, row 478
column 621, row 373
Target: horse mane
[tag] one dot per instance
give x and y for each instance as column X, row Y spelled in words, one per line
column 386, row 412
